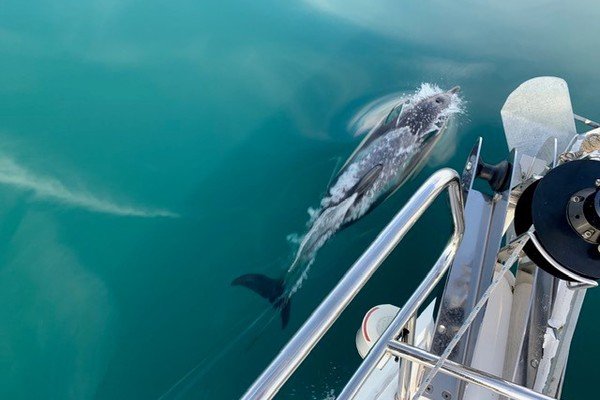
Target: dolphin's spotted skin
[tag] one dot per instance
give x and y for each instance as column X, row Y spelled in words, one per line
column 383, row 161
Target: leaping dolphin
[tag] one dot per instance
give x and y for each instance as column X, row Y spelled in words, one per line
column 391, row 152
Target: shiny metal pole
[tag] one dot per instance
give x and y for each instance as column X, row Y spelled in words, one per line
column 292, row 355
column 416, row 299
column 403, row 392
column 483, row 379
column 379, row 350
column 586, row 121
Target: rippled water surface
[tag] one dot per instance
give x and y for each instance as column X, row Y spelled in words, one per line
column 151, row 151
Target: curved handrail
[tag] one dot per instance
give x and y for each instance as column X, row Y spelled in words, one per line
column 300, row 345
column 579, row 282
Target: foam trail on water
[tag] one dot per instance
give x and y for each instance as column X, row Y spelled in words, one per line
column 323, row 227
column 44, row 187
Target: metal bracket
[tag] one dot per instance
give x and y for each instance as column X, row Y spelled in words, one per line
column 470, row 274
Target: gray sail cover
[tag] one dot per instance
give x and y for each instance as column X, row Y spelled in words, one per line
column 538, row 109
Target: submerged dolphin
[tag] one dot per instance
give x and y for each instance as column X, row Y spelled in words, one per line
column 385, row 159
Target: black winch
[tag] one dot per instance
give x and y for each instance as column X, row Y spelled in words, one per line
column 564, row 208
column 583, row 214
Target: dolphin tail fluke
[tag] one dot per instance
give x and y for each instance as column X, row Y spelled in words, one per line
column 284, row 310
column 270, row 289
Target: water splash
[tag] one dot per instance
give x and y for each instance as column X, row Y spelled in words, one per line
column 429, row 89
column 375, row 111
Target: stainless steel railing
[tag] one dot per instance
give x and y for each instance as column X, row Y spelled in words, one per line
column 467, row 374
column 298, row 348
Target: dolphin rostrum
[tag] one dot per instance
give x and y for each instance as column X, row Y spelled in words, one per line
column 391, row 152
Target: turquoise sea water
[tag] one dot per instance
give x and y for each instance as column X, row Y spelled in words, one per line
column 152, row 151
